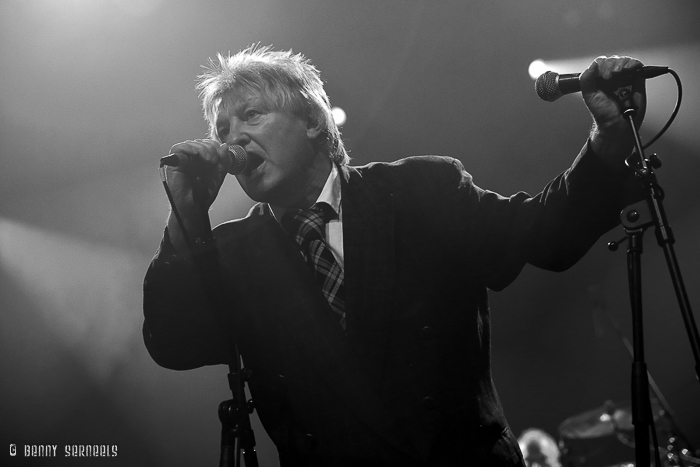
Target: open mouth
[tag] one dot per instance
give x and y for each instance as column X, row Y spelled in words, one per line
column 254, row 162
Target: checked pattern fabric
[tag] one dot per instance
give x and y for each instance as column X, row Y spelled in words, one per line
column 307, row 226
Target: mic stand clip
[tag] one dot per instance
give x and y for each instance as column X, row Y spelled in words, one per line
column 236, row 432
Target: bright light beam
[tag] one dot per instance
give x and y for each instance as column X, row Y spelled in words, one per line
column 576, row 65
column 89, row 295
column 536, row 68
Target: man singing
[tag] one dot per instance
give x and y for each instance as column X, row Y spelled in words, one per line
column 357, row 296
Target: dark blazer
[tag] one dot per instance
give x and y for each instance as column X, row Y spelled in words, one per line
column 410, row 382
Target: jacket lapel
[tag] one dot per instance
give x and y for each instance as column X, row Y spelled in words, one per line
column 368, row 235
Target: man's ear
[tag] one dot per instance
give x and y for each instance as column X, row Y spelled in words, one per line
column 314, row 126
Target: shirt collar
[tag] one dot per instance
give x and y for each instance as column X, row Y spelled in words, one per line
column 331, row 190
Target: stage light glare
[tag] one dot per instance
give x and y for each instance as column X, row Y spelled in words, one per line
column 84, row 291
column 536, row 68
column 339, row 116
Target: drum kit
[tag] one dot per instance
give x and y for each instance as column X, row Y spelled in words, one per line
column 604, row 437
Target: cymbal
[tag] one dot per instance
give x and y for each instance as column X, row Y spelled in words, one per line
column 606, row 420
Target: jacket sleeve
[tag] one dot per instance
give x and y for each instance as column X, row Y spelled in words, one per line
column 551, row 230
column 181, row 328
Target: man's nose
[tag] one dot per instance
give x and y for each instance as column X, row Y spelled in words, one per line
column 237, row 135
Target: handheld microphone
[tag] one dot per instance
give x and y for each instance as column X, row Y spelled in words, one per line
column 239, row 159
column 550, row 86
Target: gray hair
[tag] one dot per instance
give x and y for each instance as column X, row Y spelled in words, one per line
column 287, row 81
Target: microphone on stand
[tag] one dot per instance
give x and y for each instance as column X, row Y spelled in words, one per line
column 239, row 159
column 550, row 86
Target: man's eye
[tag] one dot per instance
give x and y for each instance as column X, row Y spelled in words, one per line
column 252, row 114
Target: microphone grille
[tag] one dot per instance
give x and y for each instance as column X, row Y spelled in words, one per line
column 239, row 159
column 546, row 86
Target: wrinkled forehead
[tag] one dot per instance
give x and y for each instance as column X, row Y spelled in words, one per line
column 239, row 96
column 234, row 99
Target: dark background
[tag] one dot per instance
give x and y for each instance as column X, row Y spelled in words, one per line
column 94, row 92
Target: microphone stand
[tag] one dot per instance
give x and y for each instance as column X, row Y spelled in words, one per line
column 675, row 432
column 236, row 433
column 636, row 218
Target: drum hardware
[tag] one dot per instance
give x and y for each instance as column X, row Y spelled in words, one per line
column 604, row 437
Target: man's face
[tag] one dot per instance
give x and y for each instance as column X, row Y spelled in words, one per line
column 284, row 168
